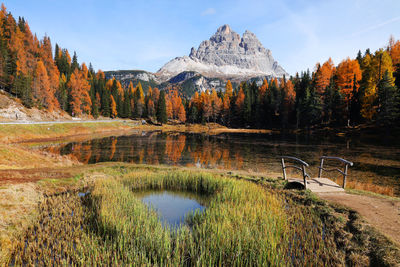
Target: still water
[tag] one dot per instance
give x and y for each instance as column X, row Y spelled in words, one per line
column 376, row 159
column 171, row 206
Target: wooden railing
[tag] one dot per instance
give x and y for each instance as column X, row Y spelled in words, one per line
column 344, row 172
column 302, row 167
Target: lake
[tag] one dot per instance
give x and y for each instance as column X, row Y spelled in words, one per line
column 376, row 159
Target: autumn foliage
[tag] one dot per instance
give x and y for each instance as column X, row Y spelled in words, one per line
column 359, row 90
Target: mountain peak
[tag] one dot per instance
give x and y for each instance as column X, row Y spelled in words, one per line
column 225, row 29
column 226, row 54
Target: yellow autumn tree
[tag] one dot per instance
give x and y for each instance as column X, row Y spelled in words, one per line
column 41, row 87
column 113, row 107
column 182, row 113
column 323, row 76
column 80, row 98
column 346, row 72
column 229, row 89
column 216, row 104
column 394, row 51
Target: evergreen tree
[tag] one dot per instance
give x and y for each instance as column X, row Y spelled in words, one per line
column 396, row 75
column 126, row 109
column 359, row 57
column 104, row 98
column 310, row 108
column 116, row 96
column 247, row 105
column 95, row 110
column 74, row 64
column 355, row 104
column 338, row 108
column 193, row 113
column 105, row 104
column 62, row 93
column 161, row 109
column 389, row 99
column 22, row 89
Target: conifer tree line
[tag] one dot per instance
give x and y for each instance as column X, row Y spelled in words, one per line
column 30, row 72
column 360, row 90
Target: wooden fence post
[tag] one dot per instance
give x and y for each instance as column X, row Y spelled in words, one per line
column 320, row 168
column 304, row 176
column 283, row 168
column 345, row 175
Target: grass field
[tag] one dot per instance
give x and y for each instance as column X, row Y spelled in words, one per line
column 246, row 223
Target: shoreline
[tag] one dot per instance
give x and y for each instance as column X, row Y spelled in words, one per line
column 68, row 179
column 40, row 173
column 38, row 131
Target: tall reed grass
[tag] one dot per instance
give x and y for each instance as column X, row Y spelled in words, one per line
column 243, row 225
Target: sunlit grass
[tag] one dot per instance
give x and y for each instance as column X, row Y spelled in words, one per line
column 244, row 224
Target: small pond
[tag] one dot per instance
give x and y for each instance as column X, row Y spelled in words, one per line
column 172, row 206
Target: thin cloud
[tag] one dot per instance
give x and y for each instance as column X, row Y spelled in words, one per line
column 208, row 12
column 377, row 26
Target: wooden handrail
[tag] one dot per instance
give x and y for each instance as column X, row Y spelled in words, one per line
column 339, row 159
column 296, row 159
column 344, row 172
column 302, row 168
column 331, row 170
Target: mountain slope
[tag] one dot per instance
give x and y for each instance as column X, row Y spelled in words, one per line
column 226, row 54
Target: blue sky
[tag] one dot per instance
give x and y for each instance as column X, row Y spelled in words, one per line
column 122, row 34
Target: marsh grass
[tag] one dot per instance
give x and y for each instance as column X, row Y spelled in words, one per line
column 244, row 224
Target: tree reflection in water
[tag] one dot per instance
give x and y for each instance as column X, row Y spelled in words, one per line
column 377, row 168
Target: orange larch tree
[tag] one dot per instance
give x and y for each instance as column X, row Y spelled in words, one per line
column 346, row 72
column 155, row 96
column 323, row 76
column 150, row 108
column 170, row 113
column 263, row 89
column 109, row 84
column 216, row 104
column 100, row 75
column 176, row 102
column 41, row 87
column 182, row 113
column 394, row 51
column 79, row 88
column 240, row 100
column 205, row 103
column 113, row 107
column 229, row 89
column 52, row 70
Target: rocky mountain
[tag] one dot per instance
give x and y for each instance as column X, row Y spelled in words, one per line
column 226, row 54
column 135, row 76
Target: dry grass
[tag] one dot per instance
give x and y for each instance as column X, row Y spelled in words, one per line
column 17, row 210
column 23, row 132
column 367, row 186
column 243, row 225
column 19, row 157
column 317, row 231
column 209, row 128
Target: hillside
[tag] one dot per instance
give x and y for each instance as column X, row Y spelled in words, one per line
column 11, row 109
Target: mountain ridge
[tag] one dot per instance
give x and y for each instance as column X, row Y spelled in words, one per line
column 224, row 56
column 226, row 53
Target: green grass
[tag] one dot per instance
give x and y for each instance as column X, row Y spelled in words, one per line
column 245, row 223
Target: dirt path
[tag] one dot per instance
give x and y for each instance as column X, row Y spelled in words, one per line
column 382, row 213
